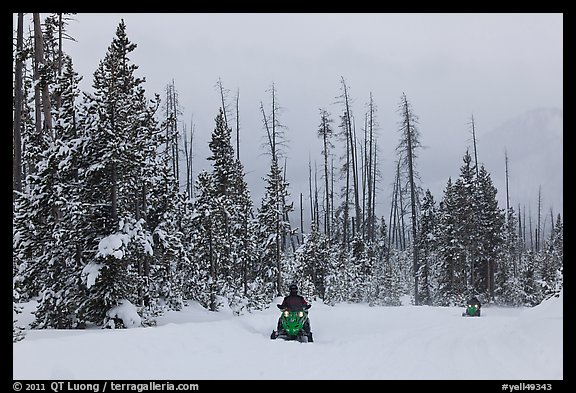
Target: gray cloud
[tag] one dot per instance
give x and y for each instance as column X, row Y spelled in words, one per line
column 495, row 66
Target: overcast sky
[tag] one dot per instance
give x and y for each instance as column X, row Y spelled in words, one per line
column 451, row 66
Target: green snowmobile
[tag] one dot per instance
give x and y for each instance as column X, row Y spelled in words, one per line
column 293, row 325
column 472, row 308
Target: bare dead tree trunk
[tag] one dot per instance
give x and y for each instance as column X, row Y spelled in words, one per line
column 316, row 207
column 530, row 230
column 474, row 144
column 36, row 77
column 176, row 142
column 274, row 120
column 331, row 194
column 364, row 177
column 60, row 32
column 374, row 179
column 357, row 205
column 312, row 216
column 191, row 158
column 188, row 157
column 410, row 154
column 301, row 218
column 507, row 190
column 286, row 216
column 351, row 148
column 393, row 209
column 238, row 124
column 538, row 226
column 326, row 193
column 371, row 214
column 347, row 191
column 18, row 102
column 268, row 133
column 223, row 94
column 325, row 133
column 41, row 78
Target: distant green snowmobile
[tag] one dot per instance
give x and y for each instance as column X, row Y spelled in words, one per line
column 472, row 308
column 293, row 322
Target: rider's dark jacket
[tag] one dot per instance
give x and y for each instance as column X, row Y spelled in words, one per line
column 294, row 302
column 473, row 301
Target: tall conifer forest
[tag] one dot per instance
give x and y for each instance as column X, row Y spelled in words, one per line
column 107, row 209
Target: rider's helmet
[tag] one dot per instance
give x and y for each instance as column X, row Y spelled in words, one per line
column 293, row 289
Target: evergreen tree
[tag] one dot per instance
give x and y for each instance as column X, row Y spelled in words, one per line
column 448, row 271
column 234, row 207
column 530, row 291
column 340, row 278
column 427, row 244
column 119, row 158
column 46, row 235
column 465, row 211
column 362, row 258
column 166, row 272
column 272, row 229
column 223, row 210
column 63, row 291
column 204, row 287
column 489, row 234
column 385, row 283
column 314, row 257
column 507, row 283
column 551, row 271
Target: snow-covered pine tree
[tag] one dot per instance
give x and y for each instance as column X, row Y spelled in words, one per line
column 46, row 235
column 313, row 256
column 489, row 236
column 29, row 146
column 448, row 272
column 361, row 258
column 247, row 294
column 338, row 279
column 507, row 288
column 551, row 271
column 166, row 272
column 203, row 287
column 531, row 292
column 385, row 288
column 231, row 210
column 222, row 172
column 272, row 227
column 222, row 236
column 465, row 219
column 122, row 138
column 63, row 292
column 427, row 240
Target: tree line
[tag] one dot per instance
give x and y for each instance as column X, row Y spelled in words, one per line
column 103, row 216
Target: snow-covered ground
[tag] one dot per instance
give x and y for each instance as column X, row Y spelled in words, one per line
column 351, row 341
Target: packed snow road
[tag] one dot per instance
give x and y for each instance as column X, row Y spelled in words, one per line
column 351, row 341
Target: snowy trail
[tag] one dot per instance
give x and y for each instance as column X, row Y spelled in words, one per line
column 351, row 341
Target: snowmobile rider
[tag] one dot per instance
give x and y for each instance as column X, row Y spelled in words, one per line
column 474, row 300
column 294, row 301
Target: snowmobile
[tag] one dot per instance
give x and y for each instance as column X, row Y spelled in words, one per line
column 293, row 322
column 472, row 310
